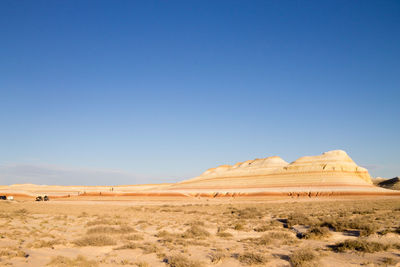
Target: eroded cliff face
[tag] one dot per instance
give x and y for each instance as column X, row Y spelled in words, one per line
column 333, row 168
column 335, row 162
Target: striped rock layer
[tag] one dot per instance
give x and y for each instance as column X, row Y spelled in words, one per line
column 331, row 170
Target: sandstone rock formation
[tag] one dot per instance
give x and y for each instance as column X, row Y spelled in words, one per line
column 331, row 174
column 333, row 169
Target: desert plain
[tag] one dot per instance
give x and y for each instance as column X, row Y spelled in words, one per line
column 316, row 211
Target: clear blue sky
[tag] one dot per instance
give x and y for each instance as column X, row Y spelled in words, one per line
column 124, row 92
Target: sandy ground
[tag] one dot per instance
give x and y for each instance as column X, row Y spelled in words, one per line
column 200, row 232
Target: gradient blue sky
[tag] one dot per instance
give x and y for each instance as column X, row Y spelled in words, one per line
column 124, row 92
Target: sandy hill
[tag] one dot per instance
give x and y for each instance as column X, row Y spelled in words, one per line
column 329, row 174
column 333, row 170
column 393, row 183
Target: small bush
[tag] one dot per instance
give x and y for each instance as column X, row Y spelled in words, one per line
column 388, row 261
column 134, row 237
column 67, row 262
column 302, row 257
column 94, row 240
column 44, row 244
column 317, row 232
column 239, row 226
column 224, row 234
column 278, row 238
column 21, row 212
column 181, row 261
column 149, row 248
column 12, row 252
column 360, row 245
column 195, row 232
column 217, row 256
column 99, row 222
column 262, row 228
column 124, row 229
column 127, row 246
column 250, row 258
column 298, row 218
column 249, row 213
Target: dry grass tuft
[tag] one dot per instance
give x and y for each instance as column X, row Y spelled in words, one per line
column 94, row 240
column 217, row 256
column 128, row 246
column 317, row 232
column 99, row 222
column 239, row 226
column 303, row 257
column 149, row 248
column 44, row 244
column 224, row 234
column 275, row 238
column 13, row 252
column 195, row 232
column 21, row 212
column 123, row 229
column 360, row 245
column 388, row 261
column 252, row 258
column 134, row 237
column 67, row 262
column 181, row 261
column 142, row 264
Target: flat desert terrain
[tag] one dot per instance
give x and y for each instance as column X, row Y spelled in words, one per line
column 204, row 232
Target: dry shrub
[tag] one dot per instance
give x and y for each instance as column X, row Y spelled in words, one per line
column 195, row 232
column 250, row 258
column 44, row 244
column 134, row 237
column 21, row 212
column 224, row 234
column 365, row 227
column 99, row 222
column 298, row 218
column 217, row 256
column 149, row 248
column 248, row 213
column 123, row 229
column 266, row 227
column 181, row 261
column 317, row 232
column 83, row 214
column 303, row 257
column 67, row 262
column 142, row 264
column 94, row 240
column 167, row 236
column 239, row 226
column 128, row 246
column 262, row 228
column 13, row 252
column 388, row 261
column 277, row 238
column 360, row 245
column 196, row 223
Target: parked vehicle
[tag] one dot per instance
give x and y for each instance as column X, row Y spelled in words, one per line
column 42, row 198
